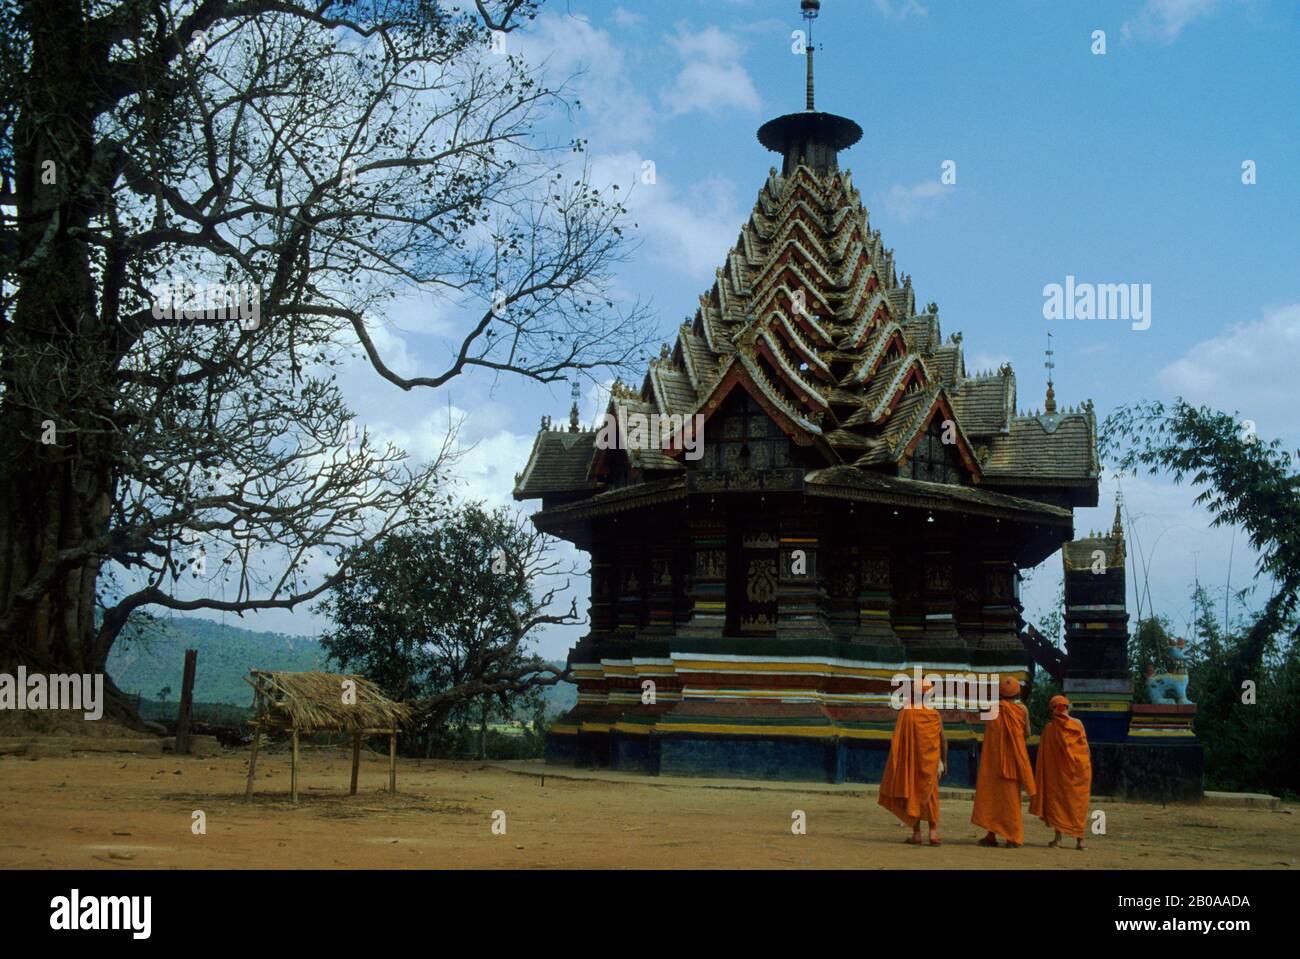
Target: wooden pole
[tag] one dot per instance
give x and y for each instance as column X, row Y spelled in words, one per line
column 356, row 760
column 257, row 737
column 293, row 769
column 187, row 699
column 392, row 762
column 252, row 764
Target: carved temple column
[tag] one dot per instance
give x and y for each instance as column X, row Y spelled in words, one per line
column 604, row 619
column 908, row 578
column 842, row 575
column 621, row 683
column 876, row 582
column 683, row 575
column 661, row 588
column 655, row 685
column 630, row 601
column 999, row 596
column 939, row 593
column 801, row 593
column 708, row 582
column 970, row 592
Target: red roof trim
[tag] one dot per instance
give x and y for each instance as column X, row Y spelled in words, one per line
column 941, row 405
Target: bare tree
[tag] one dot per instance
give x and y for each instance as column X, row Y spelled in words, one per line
column 207, row 206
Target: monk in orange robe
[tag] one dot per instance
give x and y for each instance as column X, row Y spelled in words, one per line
column 1004, row 769
column 1063, row 774
column 918, row 759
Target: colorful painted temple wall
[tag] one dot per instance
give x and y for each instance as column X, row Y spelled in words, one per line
column 730, row 638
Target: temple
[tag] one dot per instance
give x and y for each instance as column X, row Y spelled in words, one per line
column 862, row 503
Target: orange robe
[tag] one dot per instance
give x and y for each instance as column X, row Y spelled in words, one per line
column 909, row 786
column 1004, row 768
column 1063, row 774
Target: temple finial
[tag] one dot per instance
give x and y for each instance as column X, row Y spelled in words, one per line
column 1050, row 405
column 573, row 410
column 1117, row 528
column 809, row 138
column 810, row 9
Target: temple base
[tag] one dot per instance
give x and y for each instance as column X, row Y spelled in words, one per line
column 1149, row 772
column 819, row 758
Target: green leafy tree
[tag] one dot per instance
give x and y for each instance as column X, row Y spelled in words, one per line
column 1148, row 645
column 1251, row 735
column 1040, row 694
column 1244, row 481
column 443, row 615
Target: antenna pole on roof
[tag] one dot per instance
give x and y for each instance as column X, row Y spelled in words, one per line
column 810, row 9
column 1050, row 405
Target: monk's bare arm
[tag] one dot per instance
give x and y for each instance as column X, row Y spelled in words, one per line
column 943, row 752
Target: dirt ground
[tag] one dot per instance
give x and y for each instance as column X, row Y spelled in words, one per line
column 126, row 811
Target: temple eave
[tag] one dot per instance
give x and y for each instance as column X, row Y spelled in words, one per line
column 835, row 132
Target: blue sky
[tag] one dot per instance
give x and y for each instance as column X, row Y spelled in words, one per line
column 1119, row 168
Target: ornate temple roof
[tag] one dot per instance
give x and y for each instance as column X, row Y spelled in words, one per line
column 809, row 315
column 559, row 463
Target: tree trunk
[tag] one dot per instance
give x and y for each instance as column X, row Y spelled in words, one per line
column 57, row 433
column 482, row 729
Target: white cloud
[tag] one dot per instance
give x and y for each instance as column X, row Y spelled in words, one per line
column 901, row 9
column 712, row 79
column 421, row 313
column 687, row 229
column 985, row 362
column 708, row 44
column 1164, row 20
column 614, row 108
column 626, row 18
column 1249, row 367
column 487, row 471
column 906, row 203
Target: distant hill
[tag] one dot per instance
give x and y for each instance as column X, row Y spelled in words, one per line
column 559, row 698
column 226, row 654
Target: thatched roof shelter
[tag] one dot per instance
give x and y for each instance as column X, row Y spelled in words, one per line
column 314, row 702
column 323, row 702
